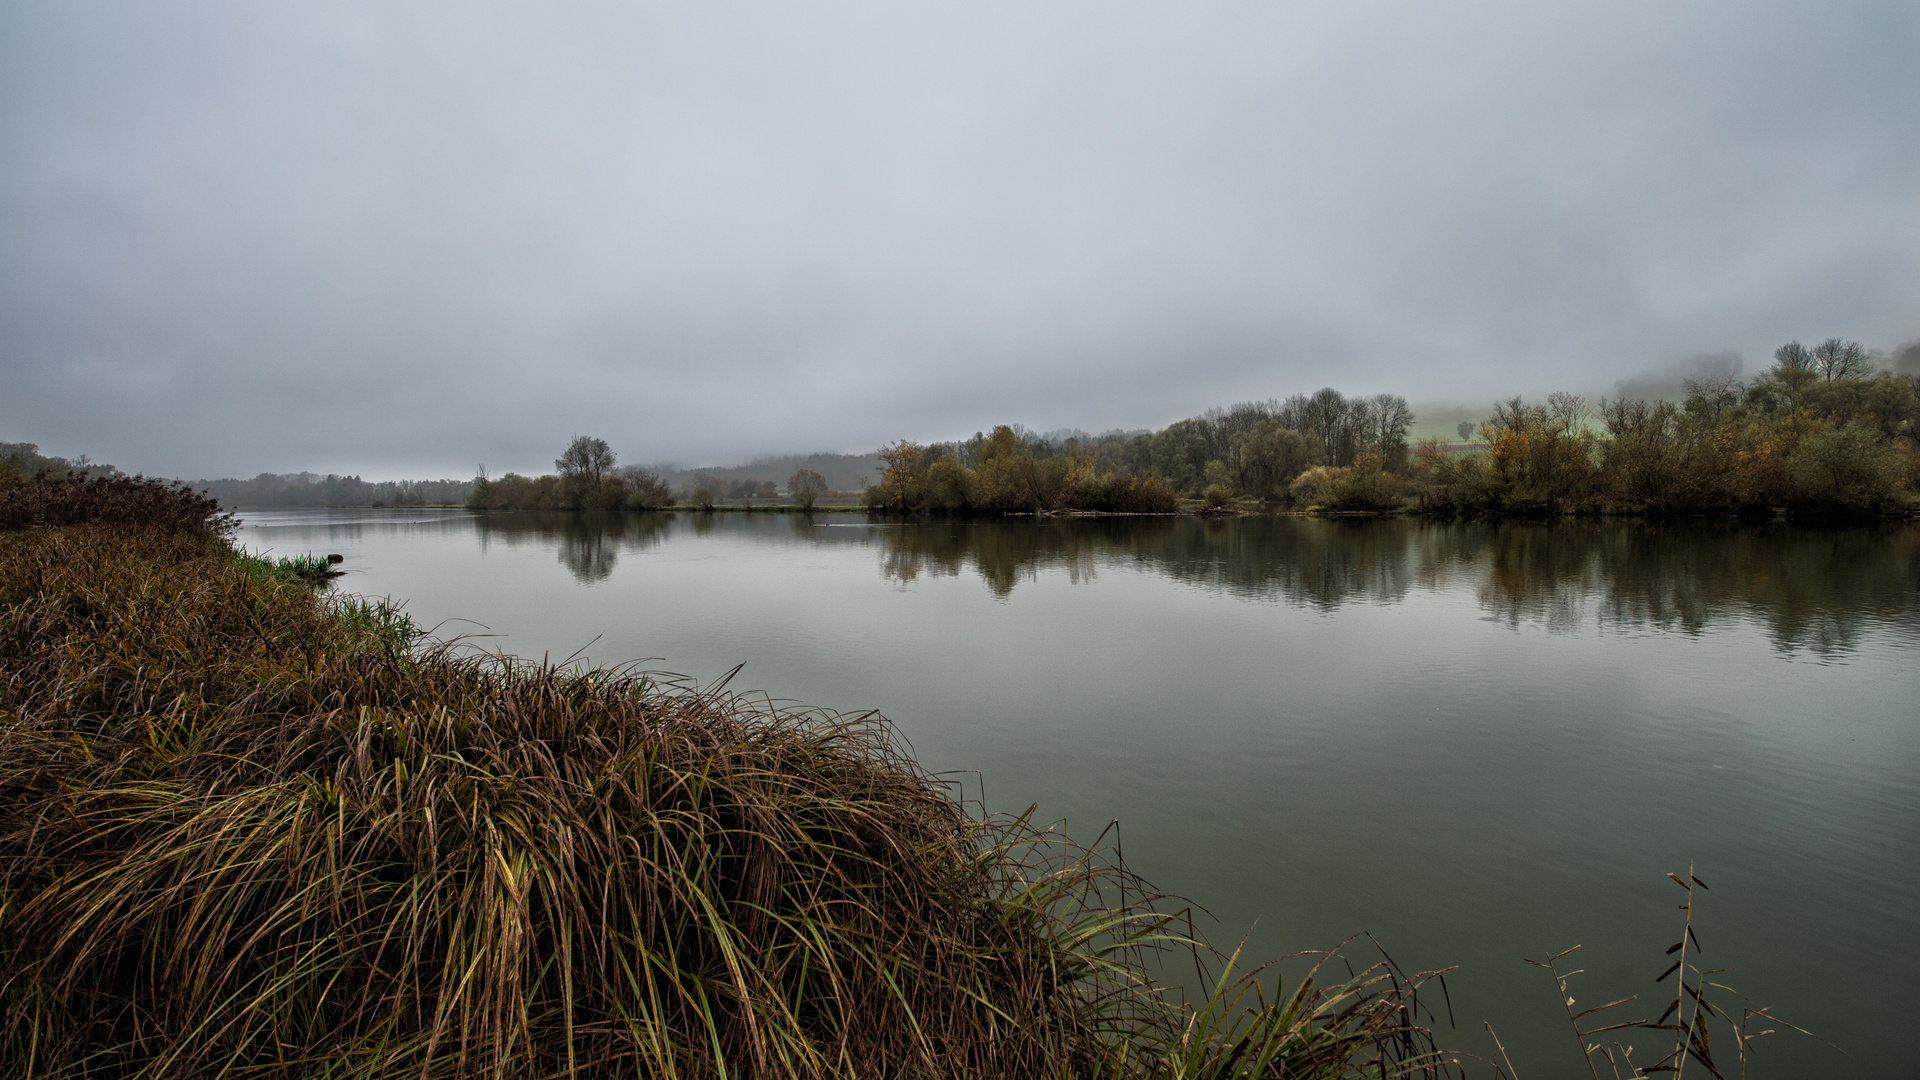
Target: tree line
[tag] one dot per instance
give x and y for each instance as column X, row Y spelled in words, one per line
column 332, row 489
column 1260, row 450
column 1821, row 431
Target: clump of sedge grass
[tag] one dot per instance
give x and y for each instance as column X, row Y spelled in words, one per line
column 250, row 831
column 307, row 569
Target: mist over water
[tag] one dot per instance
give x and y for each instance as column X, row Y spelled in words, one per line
column 1478, row 742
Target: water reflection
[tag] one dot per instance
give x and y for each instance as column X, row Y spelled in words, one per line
column 1004, row 553
column 589, row 544
column 1813, row 588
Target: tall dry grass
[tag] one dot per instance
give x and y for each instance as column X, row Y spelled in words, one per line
column 248, row 830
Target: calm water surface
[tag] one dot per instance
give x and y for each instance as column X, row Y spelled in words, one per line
column 1477, row 742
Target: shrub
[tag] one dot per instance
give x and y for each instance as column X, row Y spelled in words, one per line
column 1313, row 487
column 514, row 492
column 1365, row 486
column 1216, row 496
column 1123, row 495
column 1846, row 467
column 1140, row 495
column 645, row 490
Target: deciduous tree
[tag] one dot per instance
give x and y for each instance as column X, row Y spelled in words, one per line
column 586, row 458
column 1837, row 359
column 805, row 487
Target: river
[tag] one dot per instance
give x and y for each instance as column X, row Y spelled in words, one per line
column 1477, row 742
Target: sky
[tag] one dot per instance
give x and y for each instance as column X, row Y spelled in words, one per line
column 405, row 237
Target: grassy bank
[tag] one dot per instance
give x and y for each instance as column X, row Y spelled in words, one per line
column 248, row 829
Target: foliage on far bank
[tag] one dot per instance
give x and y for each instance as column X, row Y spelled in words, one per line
column 1005, row 473
column 1820, row 432
column 1798, row 438
column 1256, row 450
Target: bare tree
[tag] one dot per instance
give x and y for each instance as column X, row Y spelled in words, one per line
column 806, row 486
column 1712, row 394
column 1792, row 356
column 646, row 490
column 1328, row 419
column 1568, row 412
column 586, row 458
column 1837, row 359
column 1389, row 419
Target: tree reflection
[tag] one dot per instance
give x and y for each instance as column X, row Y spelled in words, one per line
column 1004, row 553
column 588, row 544
column 1810, row 587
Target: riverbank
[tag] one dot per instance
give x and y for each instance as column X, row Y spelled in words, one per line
column 249, row 828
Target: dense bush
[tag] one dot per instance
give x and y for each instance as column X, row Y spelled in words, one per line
column 1003, row 473
column 1365, row 485
column 1124, row 495
column 123, row 500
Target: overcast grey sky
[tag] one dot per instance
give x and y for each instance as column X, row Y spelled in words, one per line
column 402, row 238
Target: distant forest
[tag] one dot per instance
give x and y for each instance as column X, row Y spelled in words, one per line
column 840, row 472
column 313, row 489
